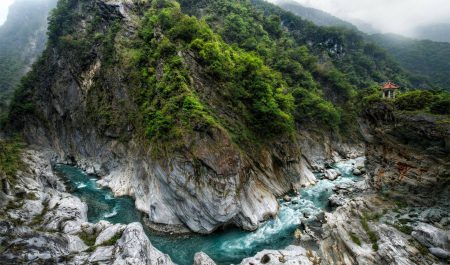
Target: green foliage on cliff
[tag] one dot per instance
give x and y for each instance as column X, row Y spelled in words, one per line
column 243, row 24
column 22, row 39
column 171, row 104
column 424, row 100
column 430, row 101
column 425, row 59
column 10, row 158
column 246, row 68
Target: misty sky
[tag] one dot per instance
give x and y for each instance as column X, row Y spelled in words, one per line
column 4, row 4
column 396, row 16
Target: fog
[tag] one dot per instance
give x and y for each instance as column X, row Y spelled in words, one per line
column 386, row 16
column 4, row 4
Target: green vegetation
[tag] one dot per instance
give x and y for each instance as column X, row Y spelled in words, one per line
column 361, row 62
column 112, row 240
column 243, row 24
column 403, row 228
column 88, row 239
column 245, row 68
column 371, row 234
column 39, row 218
column 170, row 104
column 355, row 238
column 429, row 101
column 423, row 100
column 423, row 58
column 22, row 39
column 10, row 158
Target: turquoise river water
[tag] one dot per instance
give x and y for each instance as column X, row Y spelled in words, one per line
column 227, row 246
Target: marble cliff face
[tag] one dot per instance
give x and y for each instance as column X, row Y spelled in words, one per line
column 397, row 213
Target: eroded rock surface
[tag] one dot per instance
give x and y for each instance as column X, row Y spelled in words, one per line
column 291, row 255
column 41, row 222
column 201, row 258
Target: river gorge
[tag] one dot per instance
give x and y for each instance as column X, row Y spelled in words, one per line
column 225, row 246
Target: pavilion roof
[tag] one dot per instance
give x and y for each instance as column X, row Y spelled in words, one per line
column 390, row 85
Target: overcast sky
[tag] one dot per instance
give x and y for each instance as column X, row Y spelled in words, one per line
column 4, row 4
column 396, row 16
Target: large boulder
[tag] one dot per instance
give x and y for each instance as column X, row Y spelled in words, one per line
column 134, row 247
column 291, row 255
column 202, row 258
column 332, row 174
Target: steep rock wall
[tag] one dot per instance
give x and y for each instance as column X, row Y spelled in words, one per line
column 407, row 153
column 208, row 183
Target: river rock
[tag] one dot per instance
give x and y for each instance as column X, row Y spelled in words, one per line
column 392, row 246
column 336, row 200
column 101, row 254
column 287, row 198
column 65, row 211
column 291, row 255
column 109, row 233
column 135, row 248
column 76, row 244
column 202, row 258
column 53, row 223
column 331, row 174
column 357, row 172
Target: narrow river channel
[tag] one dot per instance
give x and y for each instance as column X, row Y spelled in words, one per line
column 228, row 246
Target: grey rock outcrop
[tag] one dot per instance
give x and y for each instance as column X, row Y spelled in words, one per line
column 291, row 255
column 331, row 174
column 201, row 258
column 48, row 224
column 435, row 239
column 407, row 154
column 134, row 247
column 109, row 233
column 352, row 237
column 209, row 182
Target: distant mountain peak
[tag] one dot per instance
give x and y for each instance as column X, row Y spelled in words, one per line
column 314, row 15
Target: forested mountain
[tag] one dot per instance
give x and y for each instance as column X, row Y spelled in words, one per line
column 311, row 73
column 434, row 32
column 316, row 16
column 422, row 58
column 427, row 62
column 22, row 39
column 234, row 119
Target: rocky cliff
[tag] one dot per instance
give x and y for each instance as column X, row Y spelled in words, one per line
column 401, row 217
column 43, row 224
column 408, row 154
column 83, row 101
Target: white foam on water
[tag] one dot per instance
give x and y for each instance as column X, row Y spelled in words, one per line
column 80, row 185
column 310, row 203
column 289, row 217
column 108, row 197
column 111, row 214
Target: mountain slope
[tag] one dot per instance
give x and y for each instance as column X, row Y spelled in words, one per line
column 22, row 39
column 142, row 100
column 424, row 58
column 199, row 118
column 435, row 32
column 316, row 16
